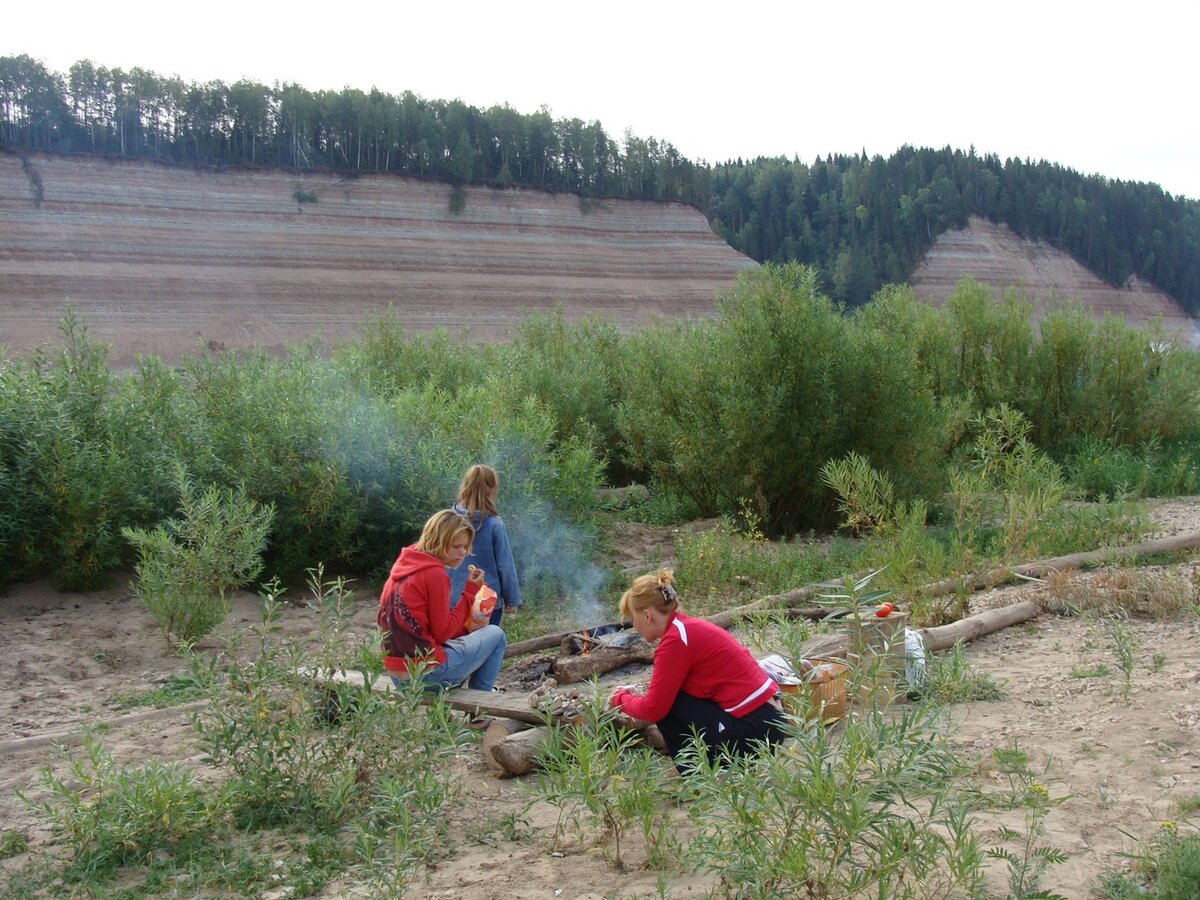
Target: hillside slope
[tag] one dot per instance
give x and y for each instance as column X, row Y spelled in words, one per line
column 996, row 256
column 160, row 260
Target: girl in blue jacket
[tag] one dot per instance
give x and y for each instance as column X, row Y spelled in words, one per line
column 490, row 550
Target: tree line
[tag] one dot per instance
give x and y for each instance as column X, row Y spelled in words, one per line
column 861, row 221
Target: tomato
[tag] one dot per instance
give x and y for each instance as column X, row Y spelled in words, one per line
column 884, row 611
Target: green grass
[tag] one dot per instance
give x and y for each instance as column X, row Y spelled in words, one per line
column 177, row 689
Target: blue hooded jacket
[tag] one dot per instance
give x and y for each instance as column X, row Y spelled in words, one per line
column 491, row 552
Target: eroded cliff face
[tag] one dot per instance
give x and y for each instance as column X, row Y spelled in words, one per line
column 161, row 260
column 996, row 256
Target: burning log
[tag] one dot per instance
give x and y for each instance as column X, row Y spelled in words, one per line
column 569, row 669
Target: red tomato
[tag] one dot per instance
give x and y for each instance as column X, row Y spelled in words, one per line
column 884, row 611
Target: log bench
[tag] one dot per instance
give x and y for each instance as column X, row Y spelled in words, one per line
column 517, row 733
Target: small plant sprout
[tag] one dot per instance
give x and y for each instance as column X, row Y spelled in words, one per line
column 1125, row 647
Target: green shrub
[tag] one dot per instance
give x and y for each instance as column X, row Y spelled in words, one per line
column 1101, row 469
column 299, row 753
column 863, row 810
column 726, row 558
column 1166, row 867
column 604, row 784
column 745, row 410
column 952, row 679
column 571, row 371
column 187, row 567
column 110, row 814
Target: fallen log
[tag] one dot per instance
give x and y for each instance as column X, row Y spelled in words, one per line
column 1001, row 574
column 517, row 753
column 515, row 748
column 838, row 646
column 499, row 730
column 544, row 642
column 475, row 703
column 972, row 627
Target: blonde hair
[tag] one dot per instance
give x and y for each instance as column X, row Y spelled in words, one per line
column 440, row 531
column 655, row 591
column 475, row 492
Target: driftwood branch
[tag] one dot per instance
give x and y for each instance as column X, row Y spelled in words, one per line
column 1003, row 574
column 972, row 627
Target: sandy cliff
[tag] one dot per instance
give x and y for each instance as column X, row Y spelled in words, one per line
column 160, row 260
column 994, row 255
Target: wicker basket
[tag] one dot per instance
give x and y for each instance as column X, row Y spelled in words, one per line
column 824, row 699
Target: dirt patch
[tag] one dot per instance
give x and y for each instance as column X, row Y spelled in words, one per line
column 1116, row 763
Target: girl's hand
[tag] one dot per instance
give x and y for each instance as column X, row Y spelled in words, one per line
column 474, row 575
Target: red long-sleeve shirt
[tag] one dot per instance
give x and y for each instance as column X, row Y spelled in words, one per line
column 700, row 659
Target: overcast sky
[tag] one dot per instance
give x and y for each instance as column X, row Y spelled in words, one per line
column 1097, row 87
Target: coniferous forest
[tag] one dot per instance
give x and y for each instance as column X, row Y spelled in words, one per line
column 861, row 221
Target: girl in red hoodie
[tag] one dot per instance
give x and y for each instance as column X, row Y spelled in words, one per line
column 703, row 680
column 427, row 638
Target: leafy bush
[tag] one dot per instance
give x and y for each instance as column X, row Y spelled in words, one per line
column 110, row 814
column 295, row 752
column 187, row 567
column 604, row 783
column 746, row 410
column 727, row 558
column 952, row 679
column 863, row 810
column 1153, row 469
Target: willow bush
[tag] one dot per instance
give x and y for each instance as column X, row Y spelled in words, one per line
column 746, row 409
column 733, row 415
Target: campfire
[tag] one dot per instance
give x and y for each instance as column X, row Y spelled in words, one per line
column 581, row 643
column 594, row 651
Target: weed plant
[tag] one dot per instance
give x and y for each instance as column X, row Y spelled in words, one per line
column 1167, row 868
column 109, row 815
column 605, row 785
column 952, row 679
column 730, row 556
column 1125, row 649
column 13, row 843
column 188, row 567
column 867, row 808
column 1122, row 592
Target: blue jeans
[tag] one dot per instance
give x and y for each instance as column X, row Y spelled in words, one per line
column 475, row 656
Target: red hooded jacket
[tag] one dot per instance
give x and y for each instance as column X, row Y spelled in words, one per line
column 424, row 612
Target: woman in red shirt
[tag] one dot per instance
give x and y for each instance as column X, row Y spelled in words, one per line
column 702, row 680
column 426, row 638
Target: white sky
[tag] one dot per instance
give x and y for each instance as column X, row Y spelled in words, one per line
column 1100, row 88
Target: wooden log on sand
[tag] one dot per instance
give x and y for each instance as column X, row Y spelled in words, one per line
column 517, row 753
column 497, row 731
column 515, row 747
column 1040, row 567
column 838, row 646
column 972, row 627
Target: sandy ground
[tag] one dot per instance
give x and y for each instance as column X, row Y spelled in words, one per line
column 1118, row 765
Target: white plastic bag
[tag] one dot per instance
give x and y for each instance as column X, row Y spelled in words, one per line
column 916, row 669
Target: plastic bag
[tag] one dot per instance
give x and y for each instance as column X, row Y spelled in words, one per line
column 481, row 608
column 916, row 669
